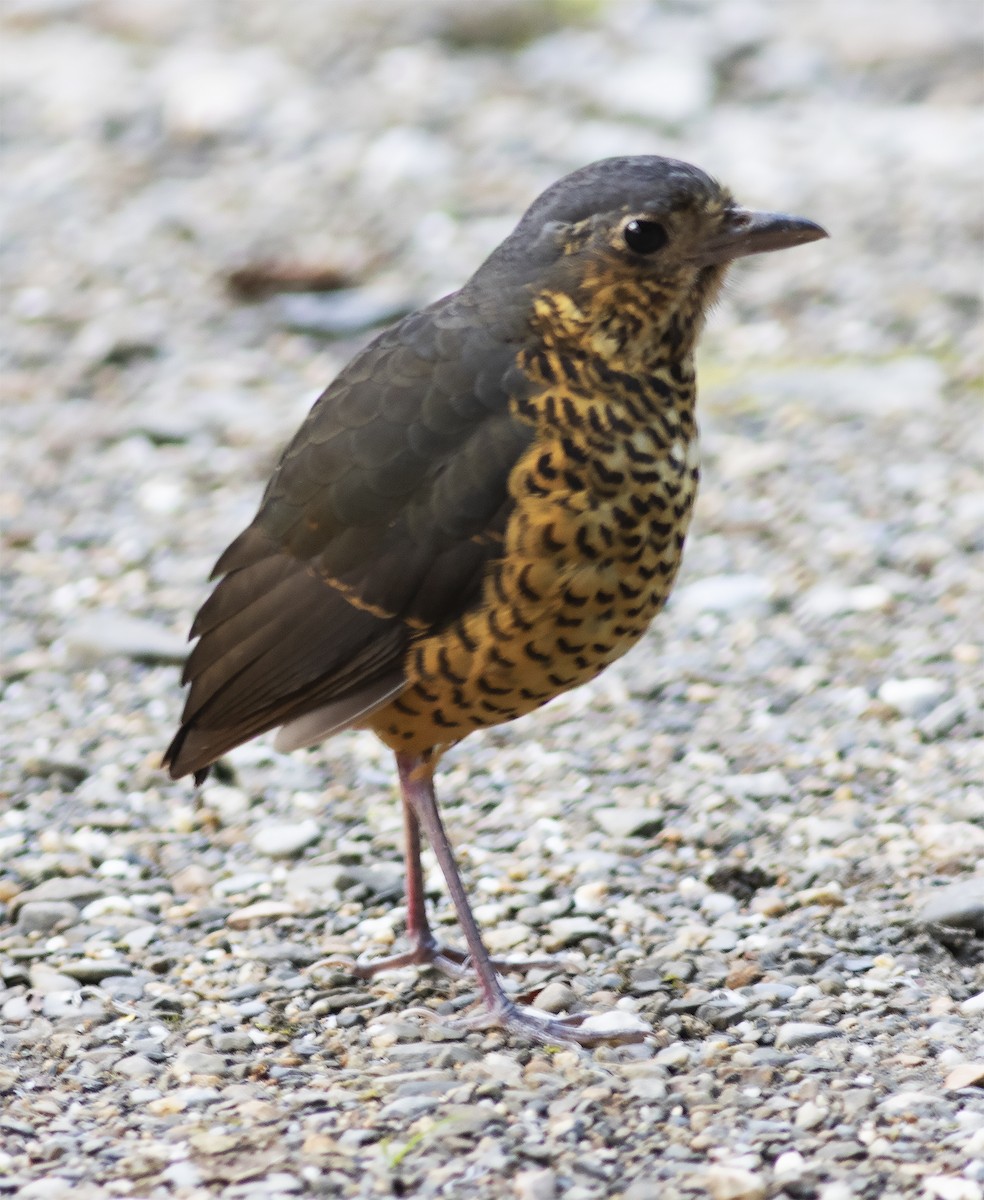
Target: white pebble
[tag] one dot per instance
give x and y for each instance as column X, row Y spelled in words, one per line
column 912, row 697
column 827, row 600
column 750, row 595
column 951, row 1187
column 789, row 1166
column 734, row 1183
column 810, row 1115
column 285, row 840
column 535, row 1185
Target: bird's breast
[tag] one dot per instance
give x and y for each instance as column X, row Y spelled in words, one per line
column 590, row 552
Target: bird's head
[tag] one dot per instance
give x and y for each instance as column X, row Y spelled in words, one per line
column 628, row 253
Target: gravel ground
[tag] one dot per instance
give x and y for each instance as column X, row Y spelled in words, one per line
column 761, row 833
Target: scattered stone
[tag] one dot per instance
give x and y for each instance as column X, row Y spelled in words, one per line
column 45, row 980
column 540, row 1184
column 960, row 905
column 762, row 785
column 964, row 1075
column 810, row 1115
column 342, row 313
column 912, row 697
column 99, row 636
column 747, row 595
column 197, row 1062
column 231, row 1043
column 76, row 889
column 803, row 1033
column 629, row 822
column 734, row 1183
column 741, row 753
column 260, row 913
column 95, row 970
column 827, row 600
column 316, row 884
column 136, row 1066
column 556, row 997
column 42, row 916
column 286, row 840
column 568, row 931
column 952, row 1187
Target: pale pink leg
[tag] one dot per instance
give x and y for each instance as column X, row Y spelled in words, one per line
column 417, row 782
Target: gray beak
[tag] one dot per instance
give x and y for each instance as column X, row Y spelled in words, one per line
column 748, row 232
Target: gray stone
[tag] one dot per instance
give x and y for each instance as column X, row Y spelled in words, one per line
column 556, row 997
column 629, row 822
column 231, row 1043
column 137, row 1066
column 745, row 595
column 538, row 1184
column 198, row 1062
column 341, row 313
column 408, row 1108
column 568, row 931
column 94, row 970
column 46, row 980
column 77, row 889
column 828, row 600
column 317, row 882
column 285, row 840
column 959, row 904
column 98, row 636
column 42, row 916
column 760, row 785
column 803, row 1033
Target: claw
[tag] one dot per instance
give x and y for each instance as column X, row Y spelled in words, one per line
column 500, row 1011
column 427, row 951
column 544, row 1029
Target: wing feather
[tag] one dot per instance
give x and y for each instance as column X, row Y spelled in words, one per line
column 378, row 524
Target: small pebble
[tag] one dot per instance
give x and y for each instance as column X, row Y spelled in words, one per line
column 287, row 840
column 959, row 904
column 628, row 822
column 99, row 636
column 912, row 697
column 46, row 916
column 803, row 1033
column 556, row 997
column 973, row 1006
column 748, row 595
column 967, row 1074
column 540, row 1184
column 734, row 1183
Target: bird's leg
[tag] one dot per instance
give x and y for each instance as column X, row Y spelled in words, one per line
column 417, row 782
column 425, row 949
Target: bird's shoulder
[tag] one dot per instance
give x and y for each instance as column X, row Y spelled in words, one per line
column 416, row 429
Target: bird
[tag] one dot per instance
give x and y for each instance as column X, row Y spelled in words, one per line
column 484, row 509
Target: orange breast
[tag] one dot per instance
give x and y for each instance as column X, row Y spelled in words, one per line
column 589, row 556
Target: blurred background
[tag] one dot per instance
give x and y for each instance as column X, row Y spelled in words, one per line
column 208, row 206
column 165, row 160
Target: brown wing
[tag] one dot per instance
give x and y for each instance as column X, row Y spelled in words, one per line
column 377, row 525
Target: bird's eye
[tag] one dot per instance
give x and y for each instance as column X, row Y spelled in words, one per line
column 645, row 237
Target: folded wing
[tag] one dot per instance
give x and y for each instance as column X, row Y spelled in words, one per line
column 377, row 527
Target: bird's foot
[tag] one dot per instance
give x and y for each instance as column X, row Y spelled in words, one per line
column 577, row 1029
column 426, row 951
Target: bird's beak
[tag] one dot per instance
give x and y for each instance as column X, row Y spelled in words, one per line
column 746, row 232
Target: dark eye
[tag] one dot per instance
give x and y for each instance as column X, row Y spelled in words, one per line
column 645, row 237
